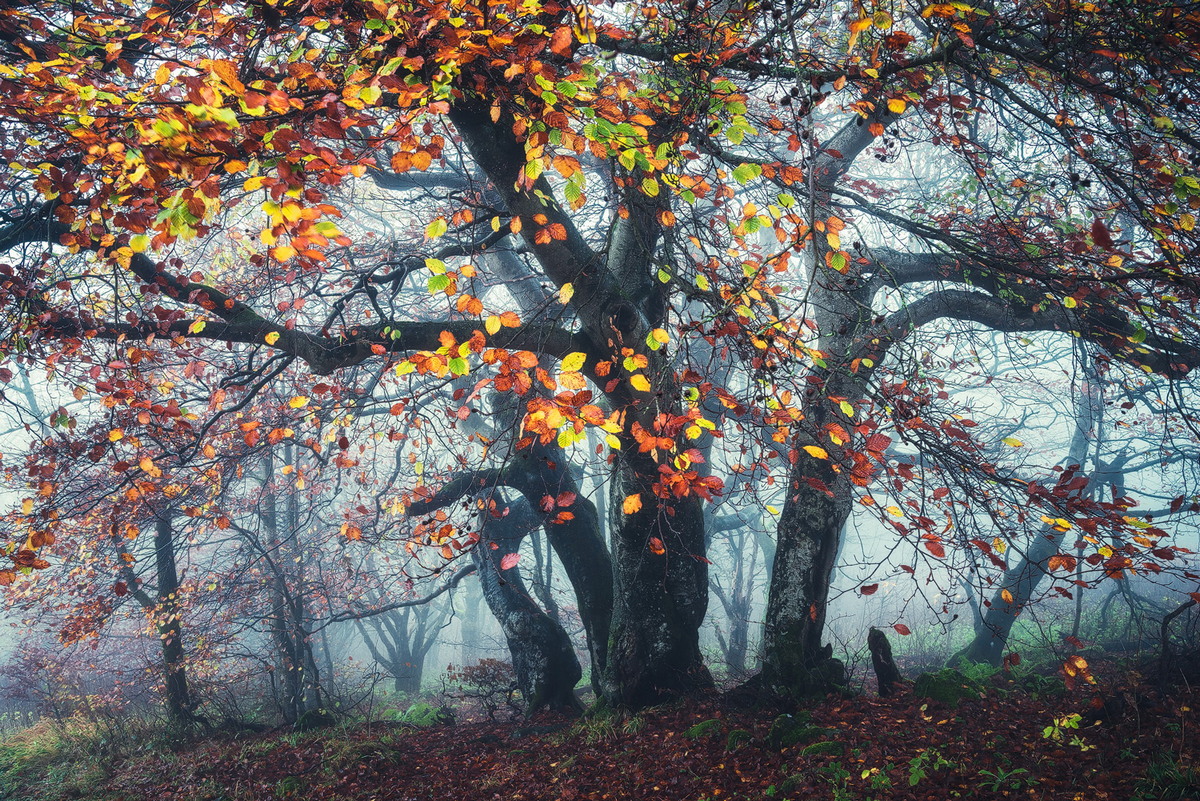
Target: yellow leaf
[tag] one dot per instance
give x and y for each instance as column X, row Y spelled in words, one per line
column 894, row 511
column 139, row 243
column 1012, row 441
column 27, row 506
column 1006, row 595
column 566, row 293
column 772, row 509
column 1070, row 302
column 846, row 408
column 116, row 435
column 660, row 335
column 272, row 337
column 816, row 452
column 283, row 252
column 613, row 442
column 896, row 105
column 196, row 327
column 253, row 183
column 492, row 324
column 631, row 504
column 298, row 402
column 573, row 362
column 639, row 382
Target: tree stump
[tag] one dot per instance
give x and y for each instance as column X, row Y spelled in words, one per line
column 881, row 660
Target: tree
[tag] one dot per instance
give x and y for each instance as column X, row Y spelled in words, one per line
column 688, row 180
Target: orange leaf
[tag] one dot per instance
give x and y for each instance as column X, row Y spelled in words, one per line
column 560, row 42
column 656, row 546
column 632, row 504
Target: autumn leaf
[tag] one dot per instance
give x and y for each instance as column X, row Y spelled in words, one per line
column 902, row 629
column 639, row 382
column 573, row 362
column 1101, row 236
column 298, row 402
column 656, row 546
column 816, row 451
column 632, row 503
column 868, row 589
column 510, row 561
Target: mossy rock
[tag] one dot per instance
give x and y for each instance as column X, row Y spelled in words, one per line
column 790, row 785
column 826, row 748
column 736, row 738
column 422, row 715
column 703, row 729
column 315, row 719
column 789, row 730
column 948, row 686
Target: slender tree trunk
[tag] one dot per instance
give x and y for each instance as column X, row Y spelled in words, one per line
column 543, row 658
column 794, row 662
column 1020, row 582
column 170, row 624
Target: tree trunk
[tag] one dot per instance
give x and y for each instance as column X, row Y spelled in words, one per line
column 543, row 472
column 815, row 511
column 795, row 664
column 660, row 584
column 543, row 658
column 169, row 623
column 1021, row 581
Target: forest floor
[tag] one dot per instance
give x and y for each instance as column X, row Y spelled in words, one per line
column 1010, row 738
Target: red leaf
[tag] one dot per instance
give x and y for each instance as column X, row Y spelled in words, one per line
column 868, row 589
column 1100, row 235
column 565, row 499
column 120, row 588
column 510, row 561
column 656, row 546
column 902, row 629
column 935, row 548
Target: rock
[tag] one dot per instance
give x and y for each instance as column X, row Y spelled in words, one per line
column 422, row 715
column 705, row 728
column 828, row 747
column 948, row 686
column 789, row 730
column 736, row 738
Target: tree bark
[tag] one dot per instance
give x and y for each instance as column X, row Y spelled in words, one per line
column 1021, row 581
column 543, row 658
column 170, row 627
column 660, row 584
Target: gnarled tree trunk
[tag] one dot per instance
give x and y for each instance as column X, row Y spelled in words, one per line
column 543, row 658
